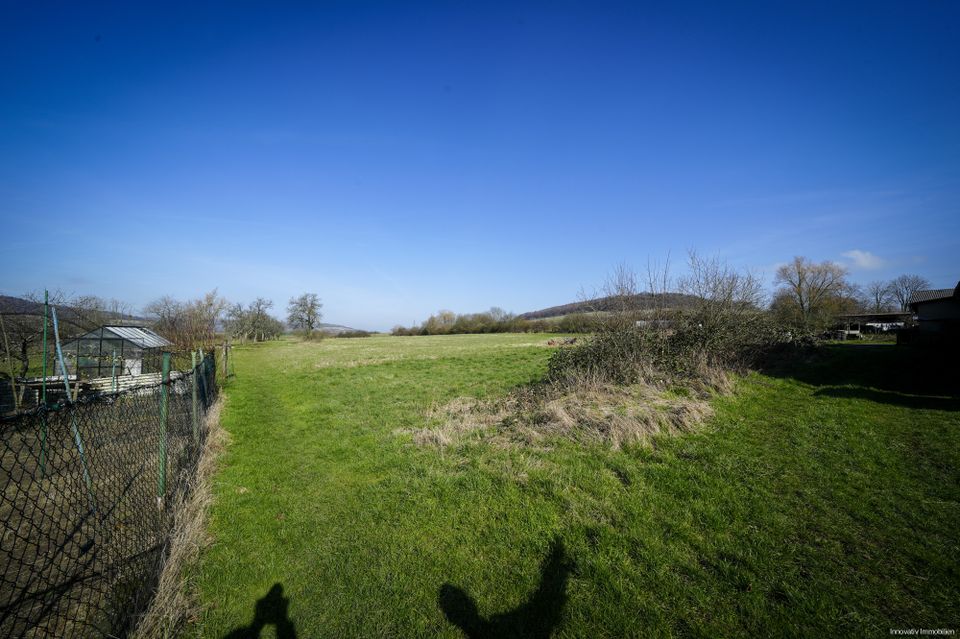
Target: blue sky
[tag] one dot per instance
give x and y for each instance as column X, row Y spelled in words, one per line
column 399, row 158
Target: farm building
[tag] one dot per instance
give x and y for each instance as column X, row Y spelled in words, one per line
column 937, row 314
column 852, row 325
column 133, row 350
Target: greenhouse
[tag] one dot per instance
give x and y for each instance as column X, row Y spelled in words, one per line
column 115, row 350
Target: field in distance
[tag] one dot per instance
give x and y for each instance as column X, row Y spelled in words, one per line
column 822, row 499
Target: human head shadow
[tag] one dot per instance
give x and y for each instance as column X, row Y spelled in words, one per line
column 535, row 618
column 270, row 610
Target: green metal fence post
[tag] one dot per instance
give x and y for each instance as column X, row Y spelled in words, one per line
column 113, row 370
column 73, row 413
column 196, row 419
column 43, row 391
column 203, row 369
column 164, row 401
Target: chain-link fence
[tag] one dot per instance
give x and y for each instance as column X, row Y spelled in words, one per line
column 86, row 511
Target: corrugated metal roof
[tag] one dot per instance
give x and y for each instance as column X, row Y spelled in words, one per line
column 931, row 295
column 142, row 337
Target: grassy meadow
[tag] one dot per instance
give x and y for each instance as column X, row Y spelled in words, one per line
column 819, row 499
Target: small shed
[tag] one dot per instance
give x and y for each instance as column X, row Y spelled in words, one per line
column 124, row 350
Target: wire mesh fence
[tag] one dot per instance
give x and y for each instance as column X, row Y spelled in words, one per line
column 89, row 489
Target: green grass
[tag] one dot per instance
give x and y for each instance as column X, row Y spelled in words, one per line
column 820, row 499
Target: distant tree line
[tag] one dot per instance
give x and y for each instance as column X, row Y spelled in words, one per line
column 808, row 298
column 725, row 323
column 810, row 295
column 188, row 324
column 203, row 321
column 194, row 323
column 253, row 323
column 497, row 320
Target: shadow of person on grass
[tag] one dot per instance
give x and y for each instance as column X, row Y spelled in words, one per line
column 536, row 617
column 270, row 610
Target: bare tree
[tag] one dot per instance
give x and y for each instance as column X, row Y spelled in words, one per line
column 851, row 298
column 722, row 292
column 659, row 283
column 260, row 319
column 93, row 311
column 617, row 300
column 499, row 315
column 304, row 312
column 235, row 320
column 252, row 322
column 24, row 326
column 203, row 315
column 904, row 287
column 810, row 293
column 189, row 324
column 167, row 315
column 879, row 296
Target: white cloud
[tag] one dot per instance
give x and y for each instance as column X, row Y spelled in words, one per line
column 864, row 259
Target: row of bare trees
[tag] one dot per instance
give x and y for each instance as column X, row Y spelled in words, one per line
column 189, row 324
column 200, row 321
column 812, row 294
column 809, row 295
column 894, row 294
column 21, row 324
column 252, row 322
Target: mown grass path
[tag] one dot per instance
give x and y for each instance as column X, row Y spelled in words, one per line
column 823, row 499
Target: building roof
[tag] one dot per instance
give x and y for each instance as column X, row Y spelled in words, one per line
column 931, row 295
column 142, row 337
column 934, row 295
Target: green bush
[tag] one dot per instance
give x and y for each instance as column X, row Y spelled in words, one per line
column 684, row 347
column 353, row 334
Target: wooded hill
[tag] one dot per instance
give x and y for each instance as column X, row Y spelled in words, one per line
column 639, row 302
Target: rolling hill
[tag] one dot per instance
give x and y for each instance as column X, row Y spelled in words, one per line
column 639, row 302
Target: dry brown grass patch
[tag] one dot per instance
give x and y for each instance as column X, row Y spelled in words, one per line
column 585, row 411
column 174, row 603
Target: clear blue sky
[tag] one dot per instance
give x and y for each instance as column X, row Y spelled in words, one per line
column 399, row 158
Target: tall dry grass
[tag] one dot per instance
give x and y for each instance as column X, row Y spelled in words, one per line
column 174, row 603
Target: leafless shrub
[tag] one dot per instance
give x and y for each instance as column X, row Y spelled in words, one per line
column 191, row 324
column 254, row 322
